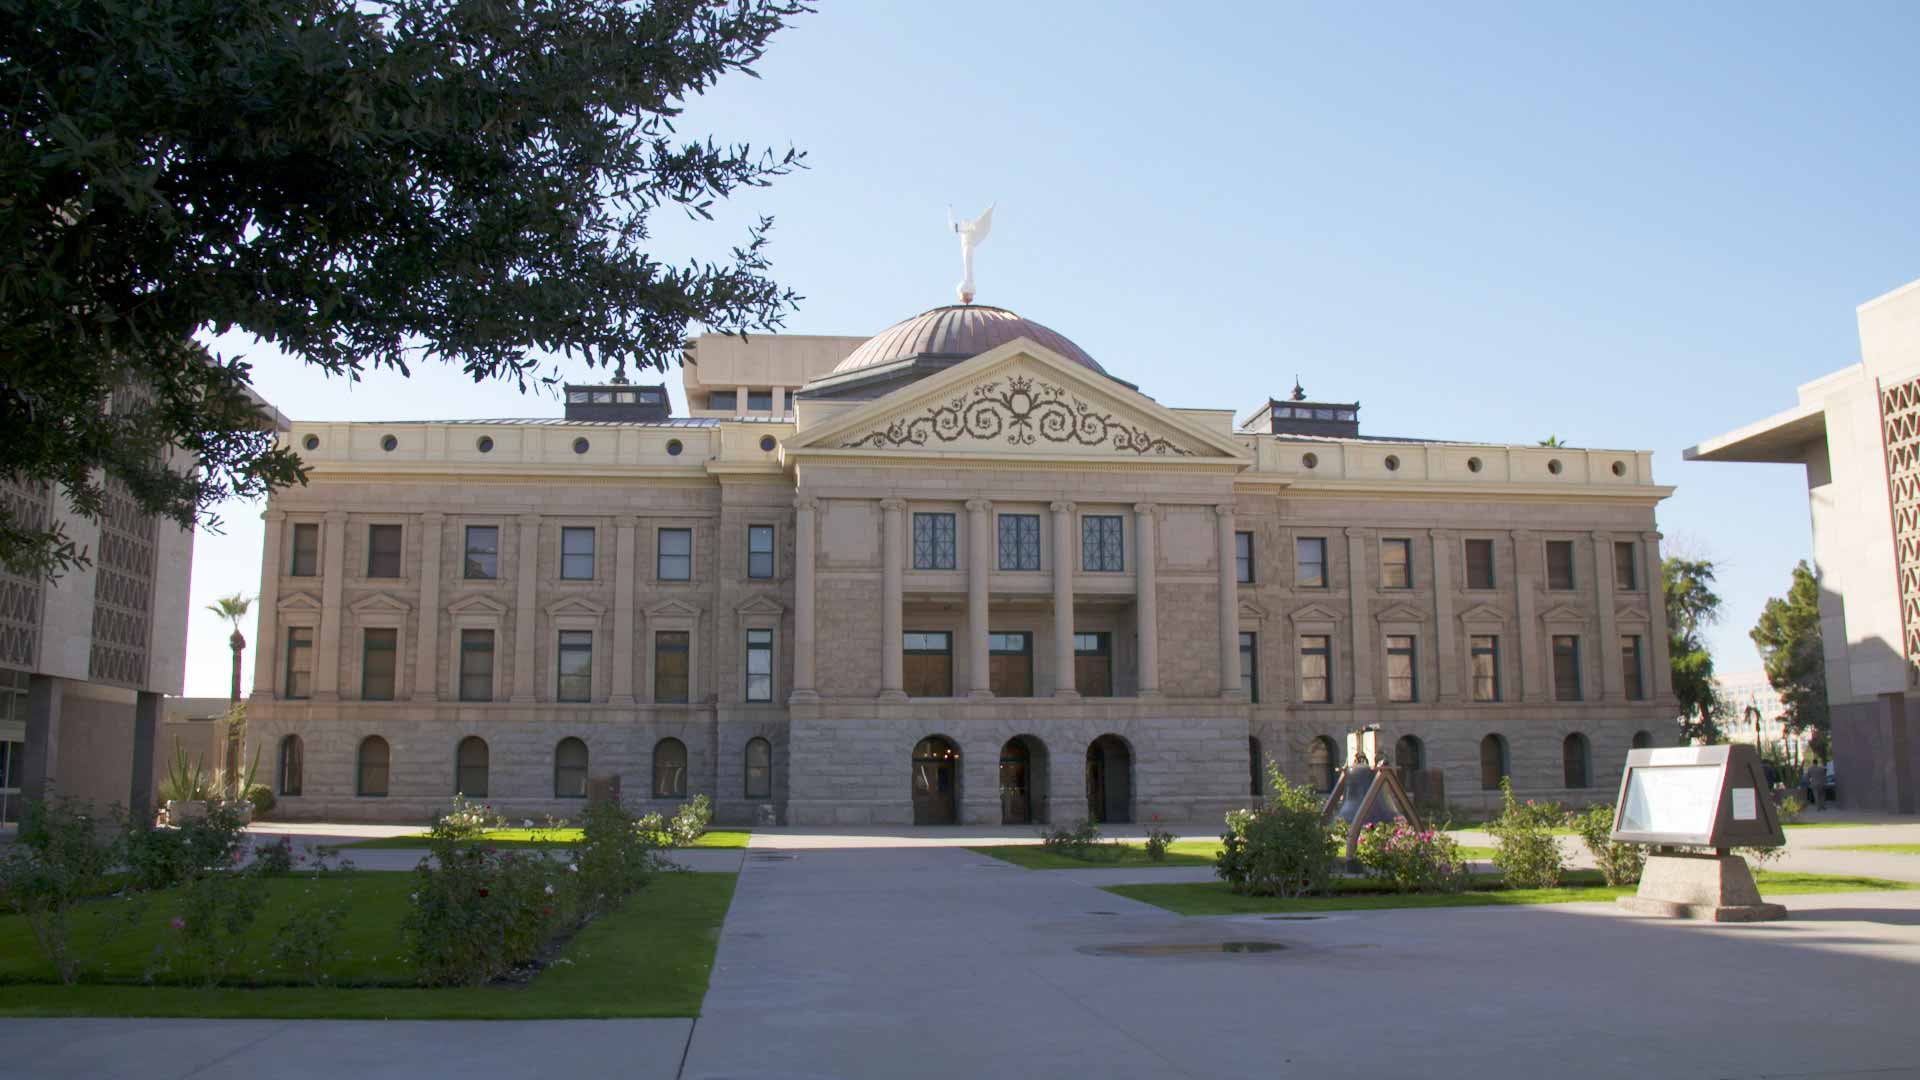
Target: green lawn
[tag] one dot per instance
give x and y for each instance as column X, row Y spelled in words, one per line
column 1214, row 898
column 1130, row 853
column 1833, row 825
column 650, row 958
column 543, row 839
column 1885, row 849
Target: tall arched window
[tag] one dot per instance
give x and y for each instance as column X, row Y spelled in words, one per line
column 372, row 771
column 290, row 764
column 1574, row 755
column 669, row 769
column 1642, row 740
column 470, row 770
column 1410, row 752
column 1493, row 762
column 759, row 769
column 1256, row 767
column 1322, row 757
column 570, row 769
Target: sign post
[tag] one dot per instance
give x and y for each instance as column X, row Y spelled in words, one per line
column 1714, row 797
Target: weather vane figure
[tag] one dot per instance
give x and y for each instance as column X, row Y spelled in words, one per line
column 971, row 234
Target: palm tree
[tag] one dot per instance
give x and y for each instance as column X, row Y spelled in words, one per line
column 233, row 609
column 1552, row 440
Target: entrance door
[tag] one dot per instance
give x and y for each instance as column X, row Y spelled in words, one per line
column 1093, row 664
column 1016, row 784
column 927, row 663
column 936, row 775
column 1109, row 780
column 1010, row 664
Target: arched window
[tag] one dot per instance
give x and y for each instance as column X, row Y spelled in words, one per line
column 1256, row 766
column 1642, row 740
column 1574, row 755
column 759, row 769
column 290, row 755
column 669, row 769
column 470, row 771
column 1493, row 762
column 374, row 755
column 570, row 769
column 1410, row 752
column 1322, row 757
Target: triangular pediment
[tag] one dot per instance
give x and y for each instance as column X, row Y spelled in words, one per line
column 1483, row 613
column 576, row 605
column 298, row 601
column 760, row 605
column 673, row 609
column 1399, row 612
column 1563, row 613
column 1251, row 610
column 1631, row 613
column 477, row 604
column 379, row 604
column 1313, row 613
column 1020, row 399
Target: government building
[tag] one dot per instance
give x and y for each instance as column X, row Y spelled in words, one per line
column 954, row 573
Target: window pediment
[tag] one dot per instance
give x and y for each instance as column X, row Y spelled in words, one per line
column 761, row 604
column 1631, row 613
column 477, row 604
column 298, row 601
column 1483, row 613
column 380, row 604
column 576, row 605
column 1563, row 613
column 1314, row 613
column 673, row 609
column 1251, row 610
column 1400, row 612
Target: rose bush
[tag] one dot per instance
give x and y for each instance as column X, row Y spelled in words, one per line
column 1410, row 859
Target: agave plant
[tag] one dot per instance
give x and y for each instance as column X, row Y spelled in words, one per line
column 186, row 779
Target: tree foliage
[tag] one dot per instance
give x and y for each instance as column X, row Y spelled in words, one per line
column 1788, row 637
column 1692, row 606
column 366, row 184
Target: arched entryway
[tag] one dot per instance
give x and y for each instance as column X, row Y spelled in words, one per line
column 1023, row 781
column 936, row 781
column 1410, row 752
column 1322, row 763
column 1109, row 780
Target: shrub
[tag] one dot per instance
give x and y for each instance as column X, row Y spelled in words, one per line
column 186, row 780
column 1790, row 809
column 1524, row 847
column 63, row 856
column 262, row 798
column 1411, row 860
column 309, row 938
column 616, row 854
column 477, row 913
column 274, row 860
column 1080, row 840
column 216, row 913
column 1159, row 839
column 1620, row 863
column 1279, row 849
column 468, row 820
column 689, row 823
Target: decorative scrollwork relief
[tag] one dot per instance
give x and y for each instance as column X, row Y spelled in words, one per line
column 1026, row 412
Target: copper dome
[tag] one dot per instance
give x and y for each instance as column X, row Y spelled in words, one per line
column 960, row 330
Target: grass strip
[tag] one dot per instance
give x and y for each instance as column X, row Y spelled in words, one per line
column 539, row 840
column 1133, row 855
column 1884, row 849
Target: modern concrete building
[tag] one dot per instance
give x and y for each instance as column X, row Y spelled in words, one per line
column 1755, row 713
column 957, row 571
column 1857, row 434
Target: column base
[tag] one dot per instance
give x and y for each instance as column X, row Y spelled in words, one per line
column 426, row 699
column 892, row 695
column 1234, row 695
column 623, row 701
column 1147, row 693
column 980, row 695
column 803, row 697
column 1066, row 695
column 518, row 700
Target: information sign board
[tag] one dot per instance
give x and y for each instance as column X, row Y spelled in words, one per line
column 1696, row 796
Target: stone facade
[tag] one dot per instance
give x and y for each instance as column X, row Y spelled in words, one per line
column 839, row 471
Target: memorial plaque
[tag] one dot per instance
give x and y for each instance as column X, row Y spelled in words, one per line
column 1696, row 796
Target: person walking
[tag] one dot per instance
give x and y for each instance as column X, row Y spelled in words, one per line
column 1815, row 781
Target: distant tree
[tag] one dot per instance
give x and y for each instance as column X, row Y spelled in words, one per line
column 1552, row 440
column 1788, row 637
column 1692, row 605
column 233, row 609
column 366, row 184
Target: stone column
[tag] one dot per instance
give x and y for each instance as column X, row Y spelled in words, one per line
column 1360, row 617
column 1063, row 566
column 1446, row 647
column 1529, row 647
column 526, row 595
column 1229, row 603
column 1613, row 681
column 146, row 728
column 333, row 565
column 621, row 690
column 426, row 663
column 1146, row 622
column 804, row 510
column 1662, row 664
column 40, row 767
column 979, row 569
column 893, row 544
column 267, row 632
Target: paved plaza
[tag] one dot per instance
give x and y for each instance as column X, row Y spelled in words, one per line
column 899, row 953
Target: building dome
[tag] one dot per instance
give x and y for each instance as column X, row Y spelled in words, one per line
column 955, row 333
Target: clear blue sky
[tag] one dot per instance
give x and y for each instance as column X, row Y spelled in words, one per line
column 1632, row 227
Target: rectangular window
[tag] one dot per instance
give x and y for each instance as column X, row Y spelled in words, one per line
column 299, row 662
column 1250, row 665
column 671, row 656
column 576, row 553
column 483, row 552
column 1102, row 543
column 675, row 562
column 928, row 662
column 759, row 551
column 1626, row 566
column 1566, row 667
column 378, row 653
column 383, row 551
column 1486, row 667
column 1396, row 564
column 1019, row 541
column 1402, row 683
column 722, row 399
column 759, row 665
column 1243, row 558
column 1480, row 564
column 1631, row 669
column 933, row 542
column 759, row 401
column 1316, row 668
column 1010, row 664
column 1560, row 564
column 576, row 666
column 1310, row 562
column 476, row 665
column 306, row 551
column 1093, row 664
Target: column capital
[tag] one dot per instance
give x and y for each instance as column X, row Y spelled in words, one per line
column 1602, row 536
column 1439, row 534
column 1521, row 536
column 1354, row 532
column 979, row 506
column 335, row 517
column 1223, row 510
column 432, row 517
column 527, row 519
column 1060, row 506
column 893, row 506
column 273, row 517
column 806, row 504
column 1652, row 537
column 1144, row 509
